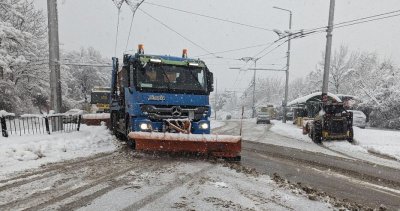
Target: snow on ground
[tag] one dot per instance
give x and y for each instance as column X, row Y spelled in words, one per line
column 289, row 130
column 23, row 152
column 216, row 123
column 202, row 186
column 379, row 141
column 382, row 142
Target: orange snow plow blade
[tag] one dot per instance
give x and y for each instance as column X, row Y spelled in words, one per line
column 216, row 145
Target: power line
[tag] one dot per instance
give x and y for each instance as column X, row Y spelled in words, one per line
column 366, row 21
column 294, row 37
column 236, row 49
column 265, row 48
column 358, row 19
column 171, row 29
column 272, row 50
column 368, row 17
column 210, row 17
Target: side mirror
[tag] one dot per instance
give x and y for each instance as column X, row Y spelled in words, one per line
column 210, row 82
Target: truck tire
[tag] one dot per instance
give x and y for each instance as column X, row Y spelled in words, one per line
column 113, row 123
column 316, row 134
column 350, row 139
column 131, row 143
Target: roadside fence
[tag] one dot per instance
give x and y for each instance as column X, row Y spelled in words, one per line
column 29, row 124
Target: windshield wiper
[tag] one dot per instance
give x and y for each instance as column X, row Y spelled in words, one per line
column 165, row 74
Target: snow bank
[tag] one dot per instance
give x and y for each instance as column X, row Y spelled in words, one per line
column 379, row 141
column 215, row 124
column 289, row 130
column 5, row 113
column 20, row 153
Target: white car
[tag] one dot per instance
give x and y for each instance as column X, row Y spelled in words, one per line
column 263, row 118
column 359, row 118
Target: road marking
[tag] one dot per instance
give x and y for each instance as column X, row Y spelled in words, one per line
column 379, row 188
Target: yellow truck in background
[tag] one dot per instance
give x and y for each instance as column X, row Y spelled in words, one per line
column 100, row 100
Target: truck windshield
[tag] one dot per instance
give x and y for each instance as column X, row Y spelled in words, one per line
column 100, row 97
column 156, row 77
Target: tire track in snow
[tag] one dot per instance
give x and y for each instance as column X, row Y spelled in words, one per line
column 114, row 183
column 50, row 171
column 178, row 182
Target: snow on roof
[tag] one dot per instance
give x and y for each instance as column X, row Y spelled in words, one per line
column 349, row 96
column 304, row 99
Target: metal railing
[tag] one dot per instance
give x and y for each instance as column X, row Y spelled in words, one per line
column 36, row 124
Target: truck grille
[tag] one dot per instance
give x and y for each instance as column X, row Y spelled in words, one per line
column 159, row 112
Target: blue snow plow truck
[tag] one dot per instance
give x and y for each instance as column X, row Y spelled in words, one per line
column 161, row 103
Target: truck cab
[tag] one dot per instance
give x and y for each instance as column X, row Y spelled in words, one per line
column 154, row 93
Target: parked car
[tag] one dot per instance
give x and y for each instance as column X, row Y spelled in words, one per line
column 289, row 116
column 263, row 118
column 359, row 119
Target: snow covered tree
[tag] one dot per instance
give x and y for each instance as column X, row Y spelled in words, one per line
column 268, row 91
column 341, row 63
column 22, row 45
column 78, row 81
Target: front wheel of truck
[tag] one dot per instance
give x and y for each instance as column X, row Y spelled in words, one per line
column 131, row 143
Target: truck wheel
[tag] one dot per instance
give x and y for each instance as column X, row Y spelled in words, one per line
column 351, row 135
column 316, row 134
column 131, row 143
column 114, row 123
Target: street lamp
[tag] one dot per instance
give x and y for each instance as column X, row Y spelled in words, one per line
column 287, row 62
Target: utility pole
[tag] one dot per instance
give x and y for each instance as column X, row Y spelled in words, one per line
column 54, row 58
column 328, row 50
column 254, row 76
column 253, row 114
column 287, row 65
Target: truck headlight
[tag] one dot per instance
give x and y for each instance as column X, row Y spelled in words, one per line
column 204, row 126
column 145, row 126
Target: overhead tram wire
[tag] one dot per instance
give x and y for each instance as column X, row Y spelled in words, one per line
column 371, row 17
column 118, row 4
column 366, row 21
column 236, row 49
column 176, row 32
column 358, row 20
column 210, row 17
column 134, row 9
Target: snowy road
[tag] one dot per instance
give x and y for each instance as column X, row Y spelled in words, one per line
column 124, row 180
column 276, row 173
column 350, row 176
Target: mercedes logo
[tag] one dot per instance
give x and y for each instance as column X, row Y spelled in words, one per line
column 176, row 111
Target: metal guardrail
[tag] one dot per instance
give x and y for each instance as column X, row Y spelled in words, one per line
column 34, row 124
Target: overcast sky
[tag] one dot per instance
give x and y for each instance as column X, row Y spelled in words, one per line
column 93, row 23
